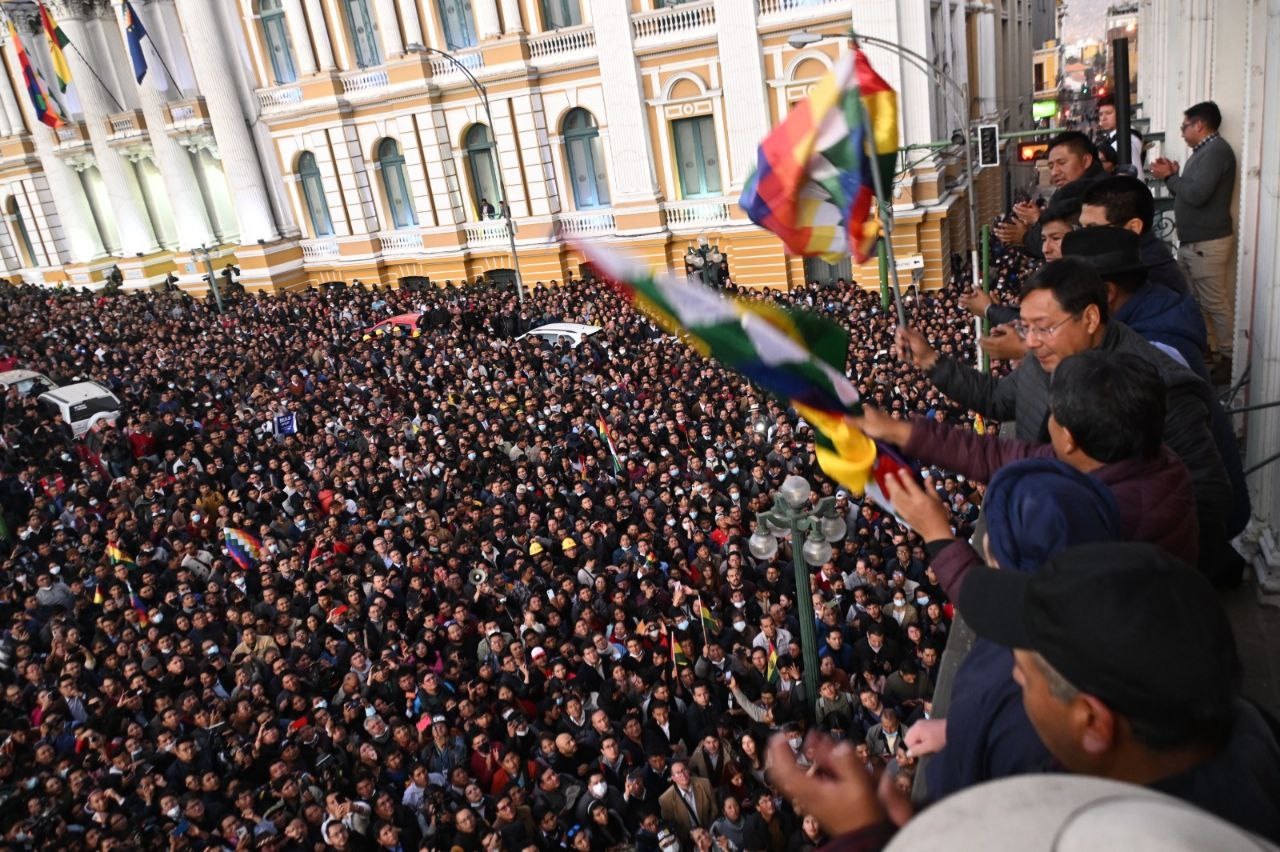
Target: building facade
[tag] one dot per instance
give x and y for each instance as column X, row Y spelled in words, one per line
column 1228, row 51
column 315, row 140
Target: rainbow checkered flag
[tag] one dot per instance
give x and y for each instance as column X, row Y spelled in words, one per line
column 814, row 186
column 796, row 356
column 602, row 427
column 243, row 547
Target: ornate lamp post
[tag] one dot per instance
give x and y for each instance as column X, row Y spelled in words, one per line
column 817, row 528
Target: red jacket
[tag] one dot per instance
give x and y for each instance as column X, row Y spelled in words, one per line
column 1155, row 498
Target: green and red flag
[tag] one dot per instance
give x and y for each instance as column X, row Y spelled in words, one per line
column 57, row 41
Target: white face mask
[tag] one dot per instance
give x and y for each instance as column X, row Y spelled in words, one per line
column 683, row 624
column 598, row 790
column 739, row 626
column 795, row 742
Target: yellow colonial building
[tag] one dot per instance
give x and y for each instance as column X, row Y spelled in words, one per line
column 307, row 141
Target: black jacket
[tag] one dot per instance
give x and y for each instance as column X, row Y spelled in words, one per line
column 1023, row 396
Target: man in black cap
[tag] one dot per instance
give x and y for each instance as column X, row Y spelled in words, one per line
column 1127, row 666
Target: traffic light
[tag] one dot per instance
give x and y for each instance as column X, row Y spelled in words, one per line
column 988, row 145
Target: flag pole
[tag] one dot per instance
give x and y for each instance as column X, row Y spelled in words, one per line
column 884, row 208
column 702, row 621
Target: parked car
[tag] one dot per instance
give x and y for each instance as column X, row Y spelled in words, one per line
column 83, row 405
column 557, row 332
column 26, row 381
column 406, row 323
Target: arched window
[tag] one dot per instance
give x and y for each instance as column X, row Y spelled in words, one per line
column 396, row 184
column 276, row 35
column 697, row 158
column 26, row 251
column 561, row 13
column 363, row 33
column 586, row 160
column 484, row 172
column 313, row 194
column 459, row 25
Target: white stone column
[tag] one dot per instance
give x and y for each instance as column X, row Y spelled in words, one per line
column 320, row 33
column 986, row 70
column 533, row 16
column 191, row 219
column 412, row 22
column 511, row 23
column 301, row 39
column 629, row 150
column 239, row 157
column 487, row 22
column 388, row 28
column 746, row 110
column 79, row 241
column 118, row 178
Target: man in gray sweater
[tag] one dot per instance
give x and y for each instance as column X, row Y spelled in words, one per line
column 1202, row 205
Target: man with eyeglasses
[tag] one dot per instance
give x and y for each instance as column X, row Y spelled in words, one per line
column 1064, row 312
column 1202, row 209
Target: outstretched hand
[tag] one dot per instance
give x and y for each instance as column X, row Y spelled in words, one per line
column 920, row 507
column 837, row 790
column 877, row 424
column 910, row 345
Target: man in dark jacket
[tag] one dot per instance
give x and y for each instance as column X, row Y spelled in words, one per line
column 1108, row 422
column 1105, row 639
column 1073, row 167
column 1064, row 312
column 1167, row 319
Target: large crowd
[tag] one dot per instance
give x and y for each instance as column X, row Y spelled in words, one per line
column 460, row 634
column 444, row 588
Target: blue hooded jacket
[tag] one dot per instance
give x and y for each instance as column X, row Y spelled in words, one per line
column 1162, row 315
column 1035, row 509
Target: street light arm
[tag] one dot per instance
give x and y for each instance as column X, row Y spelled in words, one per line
column 503, row 201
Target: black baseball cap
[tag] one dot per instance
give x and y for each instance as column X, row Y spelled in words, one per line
column 1127, row 623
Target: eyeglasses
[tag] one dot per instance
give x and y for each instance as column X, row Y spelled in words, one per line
column 1024, row 331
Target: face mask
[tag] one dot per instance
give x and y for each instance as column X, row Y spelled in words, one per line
column 923, row 601
column 739, row 626
column 740, row 604
column 795, row 743
column 721, row 477
column 899, row 602
column 598, row 790
column 734, row 495
column 682, row 624
column 172, row 813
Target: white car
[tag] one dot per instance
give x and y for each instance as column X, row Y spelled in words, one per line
column 557, row 332
column 83, row 405
column 26, row 381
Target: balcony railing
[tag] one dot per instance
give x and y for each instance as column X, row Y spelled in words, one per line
column 404, row 242
column 490, row 232
column 555, row 45
column 443, row 68
column 673, row 21
column 281, row 99
column 775, row 7
column 126, row 125
column 325, row 248
column 365, row 84
column 72, row 133
column 190, row 111
column 587, row 224
column 696, row 214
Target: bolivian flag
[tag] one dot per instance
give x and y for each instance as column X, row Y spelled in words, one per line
column 57, row 41
column 118, row 556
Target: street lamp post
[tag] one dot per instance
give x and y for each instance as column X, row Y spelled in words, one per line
column 705, row 259
column 213, row 279
column 503, row 204
column 817, row 528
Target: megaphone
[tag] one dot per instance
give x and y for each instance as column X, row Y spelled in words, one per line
column 477, row 576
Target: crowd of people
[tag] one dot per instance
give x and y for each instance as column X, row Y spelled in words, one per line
column 441, row 588
column 461, row 630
